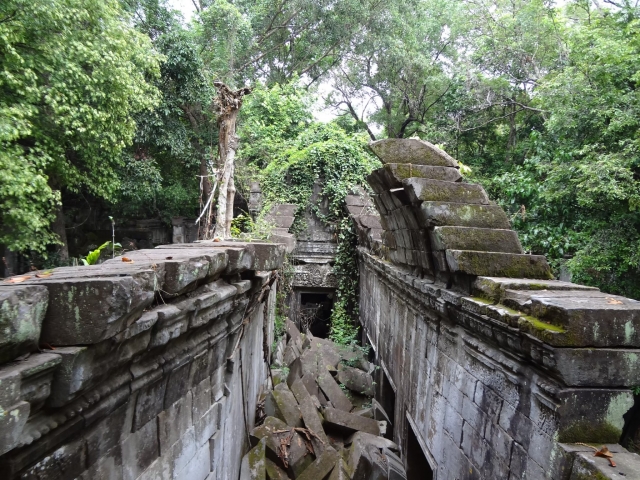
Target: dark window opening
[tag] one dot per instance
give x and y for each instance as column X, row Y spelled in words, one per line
column 417, row 465
column 315, row 313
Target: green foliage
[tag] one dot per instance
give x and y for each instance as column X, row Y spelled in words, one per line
column 344, row 317
column 324, row 153
column 94, row 255
column 72, row 74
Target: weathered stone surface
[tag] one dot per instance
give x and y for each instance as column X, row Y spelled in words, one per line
column 321, row 467
column 463, row 215
column 282, row 404
column 411, row 150
column 22, row 309
column 89, row 310
column 309, row 413
column 274, row 472
column 349, row 423
column 587, row 318
column 254, row 466
column 355, row 380
column 470, row 238
column 584, row 464
column 394, row 173
column 139, row 450
column 12, row 421
column 333, row 392
column 498, row 264
column 426, row 189
column 493, row 288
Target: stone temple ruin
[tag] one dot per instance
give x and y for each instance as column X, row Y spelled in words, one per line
column 162, row 365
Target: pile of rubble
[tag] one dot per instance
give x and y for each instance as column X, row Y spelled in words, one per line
column 320, row 420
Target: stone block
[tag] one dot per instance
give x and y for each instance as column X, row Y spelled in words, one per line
column 333, row 392
column 411, row 150
column 149, row 403
column 472, row 238
column 105, row 435
column 282, row 404
column 349, row 423
column 22, row 310
column 585, row 318
column 355, row 380
column 309, row 413
column 396, row 172
column 371, row 464
column 254, row 466
column 12, row 421
column 494, row 288
column 198, row 467
column 68, row 461
column 498, row 264
column 183, row 451
column 425, row 189
column 174, row 422
column 462, row 215
column 177, row 385
column 79, row 315
column 274, row 472
column 207, row 425
column 321, row 467
column 139, row 450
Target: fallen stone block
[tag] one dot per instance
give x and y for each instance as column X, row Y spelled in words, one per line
column 371, row 465
column 364, row 438
column 321, row 467
column 254, row 465
column 498, row 264
column 411, row 150
column 282, row 404
column 22, row 310
column 349, row 423
column 281, row 438
column 310, row 416
column 355, row 380
column 333, row 392
column 274, row 472
column 340, row 471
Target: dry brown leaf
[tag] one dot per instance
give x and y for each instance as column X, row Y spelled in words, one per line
column 606, row 453
column 613, row 301
column 127, row 260
column 18, row 279
column 216, row 239
column 44, row 275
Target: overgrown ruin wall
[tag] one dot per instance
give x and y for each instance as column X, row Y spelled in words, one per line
column 149, row 368
column 497, row 376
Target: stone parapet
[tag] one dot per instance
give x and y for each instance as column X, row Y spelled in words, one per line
column 490, row 388
column 141, row 367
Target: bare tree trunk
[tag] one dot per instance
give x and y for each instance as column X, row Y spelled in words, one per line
column 58, row 227
column 228, row 104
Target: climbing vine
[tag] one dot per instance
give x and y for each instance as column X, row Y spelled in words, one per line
column 344, row 318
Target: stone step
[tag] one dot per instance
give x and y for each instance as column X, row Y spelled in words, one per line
column 498, row 264
column 463, row 215
column 411, row 150
column 393, row 173
column 425, row 189
column 473, row 238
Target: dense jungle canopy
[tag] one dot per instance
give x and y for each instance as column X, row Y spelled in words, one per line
column 113, row 103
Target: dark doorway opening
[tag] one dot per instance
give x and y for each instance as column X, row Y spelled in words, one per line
column 386, row 397
column 315, row 313
column 417, row 466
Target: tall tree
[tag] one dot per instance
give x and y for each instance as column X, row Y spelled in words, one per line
column 72, row 75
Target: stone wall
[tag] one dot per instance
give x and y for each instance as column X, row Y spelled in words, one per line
column 144, row 367
column 495, row 368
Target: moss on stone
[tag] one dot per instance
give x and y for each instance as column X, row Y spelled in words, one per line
column 483, row 300
column 539, row 325
column 590, row 431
